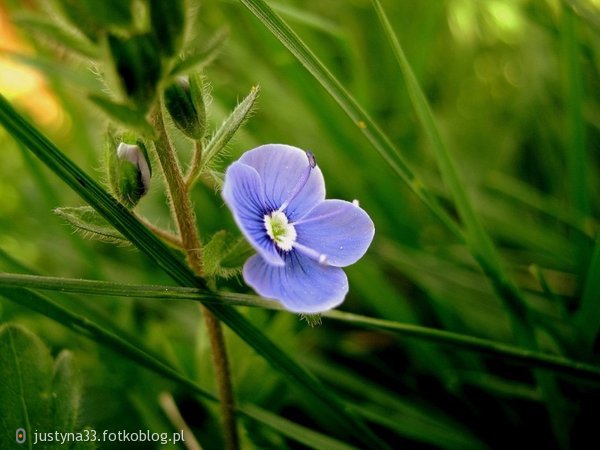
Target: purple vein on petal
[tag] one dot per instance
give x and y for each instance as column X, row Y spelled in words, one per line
column 312, row 163
column 243, row 193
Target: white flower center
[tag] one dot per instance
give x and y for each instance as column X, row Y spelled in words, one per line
column 280, row 230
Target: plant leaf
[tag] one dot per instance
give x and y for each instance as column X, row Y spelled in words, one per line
column 33, row 394
column 90, row 224
column 227, row 130
column 143, row 357
column 224, row 255
column 195, row 59
column 66, row 389
column 123, row 114
column 60, row 34
column 25, row 371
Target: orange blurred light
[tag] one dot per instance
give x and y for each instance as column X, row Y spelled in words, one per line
column 21, row 83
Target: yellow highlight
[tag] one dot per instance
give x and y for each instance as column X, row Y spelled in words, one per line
column 361, row 125
column 23, row 84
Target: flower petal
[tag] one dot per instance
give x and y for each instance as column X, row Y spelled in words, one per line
column 340, row 230
column 243, row 193
column 280, row 167
column 302, row 285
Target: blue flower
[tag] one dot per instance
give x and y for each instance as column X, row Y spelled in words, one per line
column 277, row 196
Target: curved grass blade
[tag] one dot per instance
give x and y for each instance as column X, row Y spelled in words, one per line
column 458, row 340
column 89, row 329
column 344, row 422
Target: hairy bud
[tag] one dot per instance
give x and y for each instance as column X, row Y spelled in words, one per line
column 185, row 102
column 129, row 172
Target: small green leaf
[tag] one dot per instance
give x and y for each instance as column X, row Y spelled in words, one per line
column 123, row 114
column 66, row 390
column 168, row 24
column 91, row 17
column 59, row 34
column 137, row 63
column 224, row 255
column 34, row 395
column 224, row 134
column 195, row 59
column 90, row 224
column 25, row 371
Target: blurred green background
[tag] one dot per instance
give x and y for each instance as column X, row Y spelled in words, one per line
column 514, row 87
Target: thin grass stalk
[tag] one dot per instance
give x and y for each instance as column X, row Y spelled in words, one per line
column 559, row 364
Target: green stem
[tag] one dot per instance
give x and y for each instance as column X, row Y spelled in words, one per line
column 171, row 239
column 196, row 163
column 185, row 218
column 556, row 363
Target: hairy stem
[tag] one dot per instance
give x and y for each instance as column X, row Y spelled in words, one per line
column 196, row 163
column 183, row 214
column 170, row 238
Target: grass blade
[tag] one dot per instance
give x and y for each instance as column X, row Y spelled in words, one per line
column 457, row 340
column 350, row 106
column 586, row 318
column 477, row 239
column 576, row 151
column 89, row 329
column 344, row 422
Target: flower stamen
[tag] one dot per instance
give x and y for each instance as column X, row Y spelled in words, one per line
column 312, row 163
column 281, row 232
column 313, row 254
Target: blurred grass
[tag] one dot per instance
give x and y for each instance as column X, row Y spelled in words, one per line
column 522, row 130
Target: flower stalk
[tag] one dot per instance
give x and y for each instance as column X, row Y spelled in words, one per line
column 196, row 164
column 185, row 220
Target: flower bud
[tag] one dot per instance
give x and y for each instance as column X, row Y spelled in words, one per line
column 129, row 172
column 185, row 102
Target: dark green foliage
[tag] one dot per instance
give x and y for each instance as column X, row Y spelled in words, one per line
column 424, row 349
column 168, row 24
column 123, row 114
column 37, row 393
column 93, row 17
column 138, row 66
